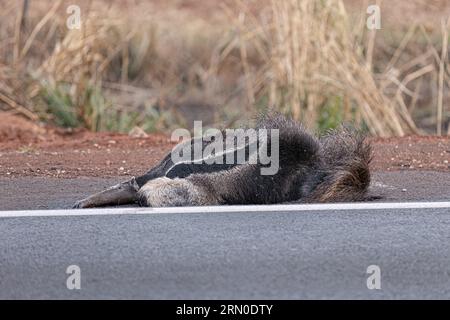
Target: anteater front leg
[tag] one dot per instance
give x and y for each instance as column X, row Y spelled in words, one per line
column 178, row 192
column 122, row 193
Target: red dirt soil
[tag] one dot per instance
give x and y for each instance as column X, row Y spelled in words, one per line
column 27, row 149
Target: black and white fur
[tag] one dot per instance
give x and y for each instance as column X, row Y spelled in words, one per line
column 332, row 168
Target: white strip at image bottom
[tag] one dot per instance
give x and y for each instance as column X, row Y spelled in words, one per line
column 227, row 209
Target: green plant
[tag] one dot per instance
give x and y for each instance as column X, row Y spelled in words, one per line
column 60, row 106
column 331, row 114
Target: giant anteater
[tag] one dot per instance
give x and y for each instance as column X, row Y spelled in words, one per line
column 330, row 168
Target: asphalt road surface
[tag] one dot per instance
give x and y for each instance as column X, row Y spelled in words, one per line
column 274, row 253
column 31, row 193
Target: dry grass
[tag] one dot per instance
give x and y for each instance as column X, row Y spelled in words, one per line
column 313, row 55
column 122, row 68
column 140, row 65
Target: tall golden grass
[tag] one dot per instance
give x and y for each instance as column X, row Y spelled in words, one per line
column 124, row 67
column 142, row 66
column 312, row 54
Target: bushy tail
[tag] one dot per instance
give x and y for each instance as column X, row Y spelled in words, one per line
column 346, row 157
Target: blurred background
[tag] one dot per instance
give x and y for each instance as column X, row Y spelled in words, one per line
column 162, row 64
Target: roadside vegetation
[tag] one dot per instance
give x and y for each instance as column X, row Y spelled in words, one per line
column 159, row 66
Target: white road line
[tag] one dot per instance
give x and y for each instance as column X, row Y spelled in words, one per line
column 227, row 209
